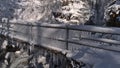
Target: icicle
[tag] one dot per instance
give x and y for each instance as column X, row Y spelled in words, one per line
column 57, row 59
column 51, row 60
column 48, row 57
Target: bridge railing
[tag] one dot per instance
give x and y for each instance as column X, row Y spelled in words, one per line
column 69, row 37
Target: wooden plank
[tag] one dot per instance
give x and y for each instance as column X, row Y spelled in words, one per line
column 81, row 43
column 97, row 29
column 45, row 25
column 108, row 30
column 101, row 40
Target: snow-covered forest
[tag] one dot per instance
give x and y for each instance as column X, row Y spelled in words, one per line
column 69, row 11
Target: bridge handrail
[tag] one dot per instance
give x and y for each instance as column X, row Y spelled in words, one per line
column 87, row 28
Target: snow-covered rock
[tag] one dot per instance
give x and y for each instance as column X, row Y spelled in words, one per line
column 4, row 44
column 74, row 12
column 112, row 14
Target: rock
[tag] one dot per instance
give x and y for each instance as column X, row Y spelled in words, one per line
column 112, row 14
column 42, row 60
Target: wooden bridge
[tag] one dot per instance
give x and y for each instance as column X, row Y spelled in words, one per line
column 62, row 38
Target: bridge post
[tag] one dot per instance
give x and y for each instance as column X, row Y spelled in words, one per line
column 67, row 37
column 6, row 25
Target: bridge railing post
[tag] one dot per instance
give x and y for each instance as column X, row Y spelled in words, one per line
column 67, row 37
column 4, row 24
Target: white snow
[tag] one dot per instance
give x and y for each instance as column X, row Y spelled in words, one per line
column 82, row 12
column 4, row 44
